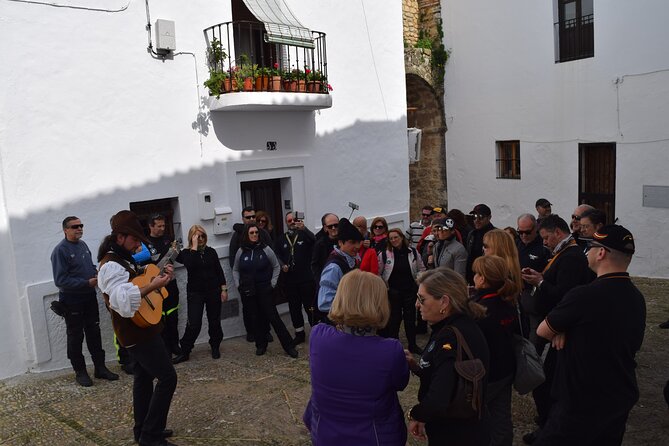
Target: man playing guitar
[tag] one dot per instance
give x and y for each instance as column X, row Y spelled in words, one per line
column 145, row 345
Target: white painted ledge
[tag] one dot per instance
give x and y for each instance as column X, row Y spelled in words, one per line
column 269, row 101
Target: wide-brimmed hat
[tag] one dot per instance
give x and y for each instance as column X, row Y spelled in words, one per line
column 126, row 222
column 348, row 232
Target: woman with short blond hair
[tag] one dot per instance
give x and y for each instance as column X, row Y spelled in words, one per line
column 355, row 375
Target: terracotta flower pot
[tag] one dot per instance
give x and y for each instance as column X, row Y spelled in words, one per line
column 248, row 84
column 229, row 85
column 290, row 85
column 262, row 83
column 301, row 85
column 275, row 83
column 314, row 87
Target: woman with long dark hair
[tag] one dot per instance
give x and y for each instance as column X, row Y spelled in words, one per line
column 256, row 272
column 206, row 289
column 399, row 266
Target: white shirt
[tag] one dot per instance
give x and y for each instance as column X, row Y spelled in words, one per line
column 124, row 297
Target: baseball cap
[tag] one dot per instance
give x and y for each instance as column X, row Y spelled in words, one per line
column 615, row 237
column 542, row 202
column 481, row 209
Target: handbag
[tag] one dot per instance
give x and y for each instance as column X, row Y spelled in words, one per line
column 467, row 401
column 529, row 366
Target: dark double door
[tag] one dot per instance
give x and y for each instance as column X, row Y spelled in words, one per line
column 265, row 195
column 597, row 177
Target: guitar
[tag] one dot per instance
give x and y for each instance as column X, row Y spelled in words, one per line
column 151, row 306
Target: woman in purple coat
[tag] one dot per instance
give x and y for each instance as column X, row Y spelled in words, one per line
column 355, row 374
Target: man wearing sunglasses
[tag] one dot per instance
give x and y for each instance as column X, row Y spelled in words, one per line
column 417, row 227
column 576, row 223
column 568, row 268
column 534, row 255
column 474, row 244
column 326, row 241
column 597, row 330
column 75, row 276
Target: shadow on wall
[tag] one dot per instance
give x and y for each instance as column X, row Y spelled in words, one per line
column 359, row 162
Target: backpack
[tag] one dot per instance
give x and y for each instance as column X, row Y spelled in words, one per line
column 467, row 401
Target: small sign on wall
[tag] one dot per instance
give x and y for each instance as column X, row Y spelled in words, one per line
column 656, row 197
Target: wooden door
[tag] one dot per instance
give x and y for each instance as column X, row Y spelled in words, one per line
column 597, row 177
column 265, row 195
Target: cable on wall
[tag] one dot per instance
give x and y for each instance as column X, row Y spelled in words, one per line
column 83, row 8
column 371, row 50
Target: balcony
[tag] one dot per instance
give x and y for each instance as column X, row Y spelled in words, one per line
column 253, row 70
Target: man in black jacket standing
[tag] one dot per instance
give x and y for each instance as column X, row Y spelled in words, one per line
column 294, row 250
column 474, row 243
column 534, row 255
column 326, row 241
column 568, row 268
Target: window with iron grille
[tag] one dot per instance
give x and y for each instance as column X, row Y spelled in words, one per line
column 574, row 30
column 508, row 159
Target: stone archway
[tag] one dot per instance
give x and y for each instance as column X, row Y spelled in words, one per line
column 427, row 177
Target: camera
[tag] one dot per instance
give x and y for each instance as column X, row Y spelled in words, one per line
column 299, row 215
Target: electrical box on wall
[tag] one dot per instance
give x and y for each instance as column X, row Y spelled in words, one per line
column 165, row 38
column 205, row 205
column 223, row 220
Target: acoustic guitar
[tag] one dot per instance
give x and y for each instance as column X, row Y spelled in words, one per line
column 151, row 306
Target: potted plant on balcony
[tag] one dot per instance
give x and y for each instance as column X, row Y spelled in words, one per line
column 244, row 73
column 218, row 81
column 262, row 78
column 289, row 83
column 301, row 77
column 316, row 82
column 275, row 77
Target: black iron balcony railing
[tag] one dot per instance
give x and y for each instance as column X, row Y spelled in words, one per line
column 575, row 38
column 241, row 59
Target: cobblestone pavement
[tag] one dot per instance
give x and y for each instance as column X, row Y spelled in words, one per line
column 243, row 399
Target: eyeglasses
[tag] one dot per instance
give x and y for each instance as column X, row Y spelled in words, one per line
column 378, row 227
column 575, row 217
column 81, row 226
column 421, row 299
column 332, row 226
column 253, row 232
column 249, row 217
column 591, row 245
column 528, row 232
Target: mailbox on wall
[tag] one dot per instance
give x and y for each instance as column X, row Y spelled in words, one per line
column 223, row 220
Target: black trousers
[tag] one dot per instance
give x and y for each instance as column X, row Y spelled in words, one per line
column 171, row 316
column 83, row 319
column 197, row 302
column 402, row 307
column 300, row 295
column 264, row 314
column 542, row 394
column 151, row 404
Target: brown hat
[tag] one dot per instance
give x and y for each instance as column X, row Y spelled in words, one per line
column 126, row 222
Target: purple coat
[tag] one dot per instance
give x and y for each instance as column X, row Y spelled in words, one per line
column 354, row 385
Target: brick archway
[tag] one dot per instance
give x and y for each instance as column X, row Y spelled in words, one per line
column 427, row 177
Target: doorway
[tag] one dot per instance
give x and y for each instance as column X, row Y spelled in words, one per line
column 597, row 177
column 265, row 195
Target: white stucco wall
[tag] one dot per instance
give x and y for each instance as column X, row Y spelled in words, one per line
column 91, row 122
column 502, row 84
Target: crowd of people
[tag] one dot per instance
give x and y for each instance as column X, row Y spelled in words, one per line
column 473, row 285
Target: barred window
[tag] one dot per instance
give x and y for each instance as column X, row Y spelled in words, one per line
column 508, row 159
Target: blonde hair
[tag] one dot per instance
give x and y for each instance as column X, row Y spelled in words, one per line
column 495, row 272
column 503, row 245
column 444, row 281
column 398, row 231
column 191, row 232
column 361, row 301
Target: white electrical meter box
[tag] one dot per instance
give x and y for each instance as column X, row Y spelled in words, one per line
column 223, row 220
column 205, row 205
column 165, row 38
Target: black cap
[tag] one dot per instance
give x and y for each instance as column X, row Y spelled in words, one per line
column 615, row 237
column 444, row 223
column 481, row 209
column 126, row 222
column 543, row 203
column 348, row 232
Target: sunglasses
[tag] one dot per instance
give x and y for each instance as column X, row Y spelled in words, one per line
column 591, row 245
column 332, row 226
column 253, row 232
column 263, row 220
column 528, row 232
column 426, row 215
column 81, row 226
column 249, row 217
column 575, row 217
column 479, row 216
column 378, row 227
